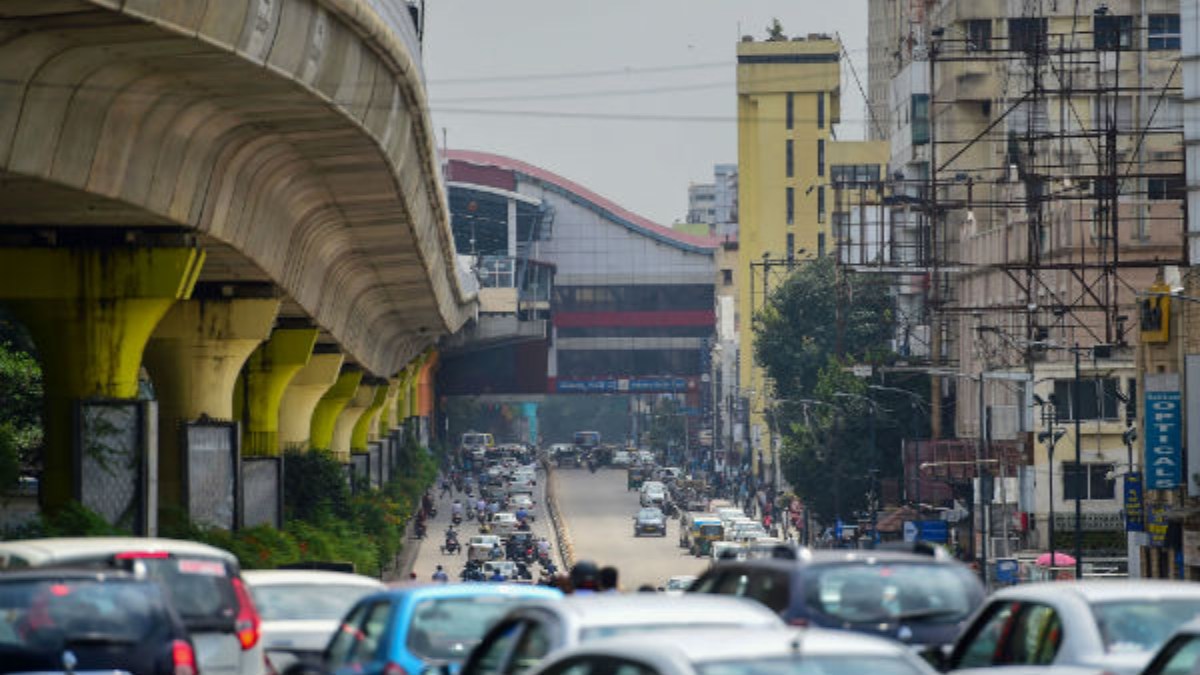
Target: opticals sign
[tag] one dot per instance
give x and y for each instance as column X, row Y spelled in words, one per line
column 1163, row 414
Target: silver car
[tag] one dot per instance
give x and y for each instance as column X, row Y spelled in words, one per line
column 1180, row 655
column 1097, row 626
column 650, row 520
column 301, row 609
column 529, row 632
column 707, row 651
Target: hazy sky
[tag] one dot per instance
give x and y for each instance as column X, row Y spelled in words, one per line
column 632, row 98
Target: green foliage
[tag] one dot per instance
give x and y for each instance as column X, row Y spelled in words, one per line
column 20, row 405
column 314, row 486
column 775, row 31
column 72, row 520
column 806, row 337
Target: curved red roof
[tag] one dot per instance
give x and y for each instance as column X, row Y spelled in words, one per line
column 540, row 174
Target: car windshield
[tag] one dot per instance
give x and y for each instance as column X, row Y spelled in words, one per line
column 1142, row 625
column 839, row 664
column 679, row 584
column 200, row 589
column 306, row 602
column 649, row 514
column 865, row 593
column 710, row 530
column 49, row 615
column 445, row 629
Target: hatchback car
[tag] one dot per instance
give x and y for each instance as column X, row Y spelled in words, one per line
column 529, row 632
column 301, row 609
column 738, row 652
column 203, row 583
column 918, row 599
column 410, row 629
column 1106, row 626
column 88, row 620
column 650, row 521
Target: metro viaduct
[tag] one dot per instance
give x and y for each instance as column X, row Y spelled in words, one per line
column 242, row 197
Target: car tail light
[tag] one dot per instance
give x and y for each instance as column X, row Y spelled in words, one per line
column 183, row 658
column 248, row 622
column 798, row 621
column 394, row 669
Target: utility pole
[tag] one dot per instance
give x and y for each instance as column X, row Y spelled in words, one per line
column 1077, row 404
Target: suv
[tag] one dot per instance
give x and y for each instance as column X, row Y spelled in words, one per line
column 203, row 583
column 923, row 600
column 89, row 621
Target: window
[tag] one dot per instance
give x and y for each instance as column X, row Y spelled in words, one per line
column 820, row 157
column 791, row 246
column 1087, row 481
column 979, row 35
column 727, row 277
column 1163, row 31
column 821, row 244
column 1184, row 655
column 791, row 205
column 1112, row 32
column 820, row 110
column 821, row 204
column 1166, row 188
column 789, row 161
column 533, row 645
column 1097, row 399
column 920, row 119
column 983, row 645
column 1027, row 34
column 791, row 107
column 1012, row 634
column 358, row 640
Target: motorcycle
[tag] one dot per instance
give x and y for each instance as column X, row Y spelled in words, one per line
column 432, row 511
column 456, row 519
column 451, row 546
column 419, row 529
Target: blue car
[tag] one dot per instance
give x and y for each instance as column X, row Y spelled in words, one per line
column 407, row 630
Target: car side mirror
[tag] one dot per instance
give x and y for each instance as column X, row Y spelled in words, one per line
column 937, row 656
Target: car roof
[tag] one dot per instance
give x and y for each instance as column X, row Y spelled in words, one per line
column 720, row 644
column 1108, row 590
column 65, row 573
column 38, row 552
column 643, row 608
column 825, row 556
column 433, row 591
column 309, row 578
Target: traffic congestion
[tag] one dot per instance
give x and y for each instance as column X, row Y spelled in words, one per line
column 498, row 590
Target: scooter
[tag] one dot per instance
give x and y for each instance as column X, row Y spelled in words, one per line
column 419, row 529
column 451, row 547
column 456, row 519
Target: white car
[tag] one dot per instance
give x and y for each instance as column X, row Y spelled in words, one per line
column 653, row 493
column 729, row 651
column 503, row 524
column 523, row 500
column 481, row 546
column 677, row 585
column 301, row 609
column 621, row 458
column 1102, row 626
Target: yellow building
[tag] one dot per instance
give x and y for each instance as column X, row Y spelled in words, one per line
column 789, row 98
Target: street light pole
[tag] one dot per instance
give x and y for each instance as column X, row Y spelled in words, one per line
column 1078, row 469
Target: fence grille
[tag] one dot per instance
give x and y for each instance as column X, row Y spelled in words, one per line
column 262, row 491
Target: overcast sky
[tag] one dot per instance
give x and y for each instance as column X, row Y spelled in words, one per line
column 631, row 98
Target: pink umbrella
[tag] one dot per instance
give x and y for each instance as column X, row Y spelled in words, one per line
column 1060, row 560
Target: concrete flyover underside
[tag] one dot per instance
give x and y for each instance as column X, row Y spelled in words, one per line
column 291, row 135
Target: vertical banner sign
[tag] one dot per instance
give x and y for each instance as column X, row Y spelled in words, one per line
column 1164, row 452
column 1134, row 511
column 1191, row 380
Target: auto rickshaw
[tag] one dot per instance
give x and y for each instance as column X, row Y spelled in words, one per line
column 704, row 532
column 635, row 476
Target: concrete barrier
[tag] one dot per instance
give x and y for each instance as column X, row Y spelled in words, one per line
column 562, row 533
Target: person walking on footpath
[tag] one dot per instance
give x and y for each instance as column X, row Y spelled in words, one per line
column 440, row 575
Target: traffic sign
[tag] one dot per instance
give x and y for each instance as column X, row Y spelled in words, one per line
column 936, row 531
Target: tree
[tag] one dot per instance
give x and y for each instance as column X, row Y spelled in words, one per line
column 775, row 31
column 20, row 404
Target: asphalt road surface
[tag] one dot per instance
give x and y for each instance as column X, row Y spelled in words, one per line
column 599, row 513
column 429, row 555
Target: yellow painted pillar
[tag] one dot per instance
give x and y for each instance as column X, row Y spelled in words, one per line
column 90, row 311
column 343, row 429
column 362, row 428
column 301, row 397
column 387, row 414
column 414, row 375
column 260, row 387
column 402, row 397
column 329, row 408
column 194, row 356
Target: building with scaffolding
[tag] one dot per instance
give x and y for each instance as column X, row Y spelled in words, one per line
column 1037, row 162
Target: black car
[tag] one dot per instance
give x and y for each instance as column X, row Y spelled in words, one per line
column 921, row 599
column 54, row 620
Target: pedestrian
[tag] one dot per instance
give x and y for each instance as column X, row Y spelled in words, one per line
column 440, row 575
column 445, row 487
column 608, row 580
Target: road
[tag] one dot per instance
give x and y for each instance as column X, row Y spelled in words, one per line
column 429, row 554
column 599, row 514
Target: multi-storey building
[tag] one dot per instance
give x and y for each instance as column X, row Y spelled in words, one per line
column 789, row 100
column 1054, row 130
column 715, row 204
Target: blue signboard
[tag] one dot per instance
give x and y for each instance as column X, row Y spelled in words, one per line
column 1007, row 570
column 936, row 531
column 1164, row 458
column 616, row 386
column 1134, row 509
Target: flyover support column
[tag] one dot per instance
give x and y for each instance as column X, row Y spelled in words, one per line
column 91, row 310
column 363, row 427
column 330, row 407
column 194, row 356
column 387, row 414
column 262, row 382
column 343, row 428
column 301, row 397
